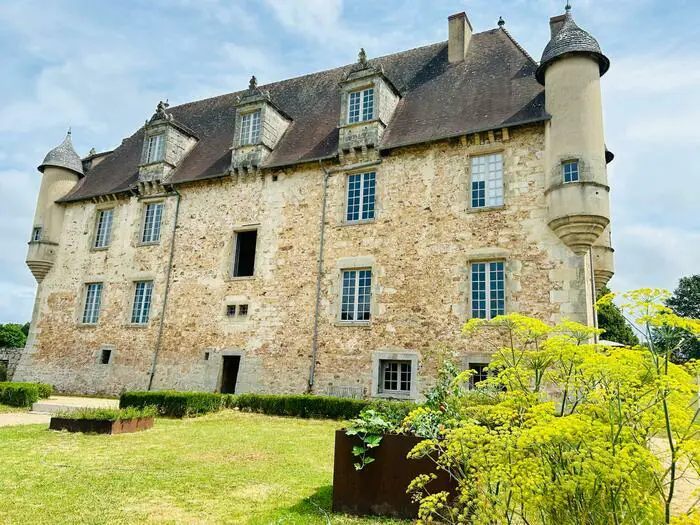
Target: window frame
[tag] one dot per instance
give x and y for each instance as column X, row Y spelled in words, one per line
column 361, row 105
column 356, row 296
column 234, row 258
column 365, row 181
column 487, row 289
column 574, row 172
column 396, row 392
column 137, row 319
column 250, row 128
column 157, row 153
column 90, row 314
column 107, row 237
column 487, row 178
column 144, row 222
column 101, row 356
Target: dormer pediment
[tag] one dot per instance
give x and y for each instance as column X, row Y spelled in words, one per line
column 166, row 143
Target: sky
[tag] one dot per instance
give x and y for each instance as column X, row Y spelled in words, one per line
column 101, row 67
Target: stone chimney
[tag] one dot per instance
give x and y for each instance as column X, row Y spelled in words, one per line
column 555, row 24
column 459, row 35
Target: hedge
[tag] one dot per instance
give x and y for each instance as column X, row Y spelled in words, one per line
column 23, row 394
column 173, row 404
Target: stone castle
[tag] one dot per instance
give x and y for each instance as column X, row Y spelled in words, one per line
column 328, row 233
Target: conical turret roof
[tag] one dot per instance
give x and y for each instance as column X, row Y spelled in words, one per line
column 571, row 39
column 63, row 156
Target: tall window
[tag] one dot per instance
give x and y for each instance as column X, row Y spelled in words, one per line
column 569, row 171
column 250, row 128
column 142, row 302
column 395, row 377
column 155, row 148
column 357, row 295
column 487, row 180
column 361, row 105
column 93, row 299
column 151, row 222
column 244, row 258
column 488, row 290
column 103, row 229
column 361, row 190
column 36, row 234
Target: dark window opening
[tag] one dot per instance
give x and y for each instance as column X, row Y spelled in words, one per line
column 243, row 309
column 274, row 178
column 480, row 373
column 229, row 373
column 105, row 356
column 244, row 264
column 206, row 356
column 231, row 310
column 36, row 234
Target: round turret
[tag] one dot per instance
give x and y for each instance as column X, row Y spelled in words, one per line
column 63, row 156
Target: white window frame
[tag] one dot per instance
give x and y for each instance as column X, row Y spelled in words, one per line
column 362, row 105
column 355, row 296
column 92, row 303
column 155, row 148
column 487, row 289
column 141, row 305
column 368, row 186
column 151, row 228
column 486, row 174
column 575, row 171
column 249, row 132
column 103, row 228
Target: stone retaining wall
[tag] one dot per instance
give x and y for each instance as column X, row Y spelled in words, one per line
column 10, row 357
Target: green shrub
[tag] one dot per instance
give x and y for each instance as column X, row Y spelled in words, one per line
column 19, row 394
column 45, row 391
column 174, row 404
column 109, row 414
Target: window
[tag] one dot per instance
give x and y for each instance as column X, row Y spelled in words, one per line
column 36, row 234
column 361, row 105
column 151, row 223
column 155, row 148
column 570, row 171
column 142, row 302
column 244, row 258
column 479, row 375
column 488, row 289
column 395, row 377
column 105, row 356
column 103, row 230
column 361, row 191
column 231, row 310
column 243, row 310
column 250, row 128
column 357, row 295
column 206, row 356
column 93, row 298
column 487, row 180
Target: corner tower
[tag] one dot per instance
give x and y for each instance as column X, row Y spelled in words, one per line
column 61, row 171
column 577, row 182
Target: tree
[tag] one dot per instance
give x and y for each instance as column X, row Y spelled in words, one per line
column 25, row 329
column 11, row 336
column 684, row 302
column 611, row 320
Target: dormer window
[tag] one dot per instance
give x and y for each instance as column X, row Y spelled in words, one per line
column 250, row 128
column 155, row 149
column 361, row 105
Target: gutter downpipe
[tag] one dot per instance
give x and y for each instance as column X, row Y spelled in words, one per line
column 154, row 361
column 595, row 312
column 319, row 276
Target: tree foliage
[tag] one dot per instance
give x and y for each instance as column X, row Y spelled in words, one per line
column 12, row 336
column 612, row 322
column 684, row 302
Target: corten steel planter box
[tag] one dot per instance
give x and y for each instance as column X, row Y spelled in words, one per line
column 93, row 426
column 380, row 487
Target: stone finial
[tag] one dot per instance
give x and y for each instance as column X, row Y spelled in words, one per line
column 501, row 22
column 160, row 109
column 568, row 6
column 92, row 151
column 253, row 83
column 362, row 57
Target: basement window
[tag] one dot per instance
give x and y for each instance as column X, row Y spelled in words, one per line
column 479, row 375
column 243, row 309
column 231, row 310
column 244, row 259
column 105, row 356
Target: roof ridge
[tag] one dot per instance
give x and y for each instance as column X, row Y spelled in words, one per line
column 517, row 44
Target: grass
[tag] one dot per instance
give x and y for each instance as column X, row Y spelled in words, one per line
column 6, row 409
column 228, row 467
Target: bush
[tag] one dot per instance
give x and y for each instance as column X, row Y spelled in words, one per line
column 109, row 414
column 310, row 406
column 23, row 394
column 174, row 404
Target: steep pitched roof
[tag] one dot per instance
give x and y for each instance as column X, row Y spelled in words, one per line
column 63, row 156
column 494, row 87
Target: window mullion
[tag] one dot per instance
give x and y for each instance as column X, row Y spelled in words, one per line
column 356, row 305
column 487, row 286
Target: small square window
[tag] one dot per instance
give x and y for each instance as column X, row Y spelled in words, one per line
column 36, row 234
column 570, row 172
column 395, row 377
column 479, row 375
column 230, row 310
column 243, row 309
column 206, row 356
column 105, row 356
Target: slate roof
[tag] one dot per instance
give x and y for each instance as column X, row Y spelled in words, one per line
column 494, row 87
column 63, row 156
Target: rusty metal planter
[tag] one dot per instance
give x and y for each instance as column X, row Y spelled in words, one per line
column 94, row 426
column 380, row 487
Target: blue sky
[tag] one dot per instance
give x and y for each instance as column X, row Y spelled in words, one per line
column 101, row 67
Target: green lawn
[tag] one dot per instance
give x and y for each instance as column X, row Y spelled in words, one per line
column 5, row 409
column 228, row 467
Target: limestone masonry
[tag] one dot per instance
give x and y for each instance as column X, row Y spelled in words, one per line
column 329, row 233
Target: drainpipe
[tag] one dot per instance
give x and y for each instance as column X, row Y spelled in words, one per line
column 319, row 276
column 595, row 312
column 154, row 361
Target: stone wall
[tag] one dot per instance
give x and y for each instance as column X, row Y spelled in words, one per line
column 419, row 248
column 10, row 357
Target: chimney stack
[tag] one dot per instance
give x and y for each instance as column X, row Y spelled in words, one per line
column 459, row 35
column 555, row 24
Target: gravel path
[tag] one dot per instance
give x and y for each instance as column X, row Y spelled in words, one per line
column 27, row 418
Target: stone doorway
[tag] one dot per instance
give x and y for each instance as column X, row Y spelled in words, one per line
column 229, row 373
